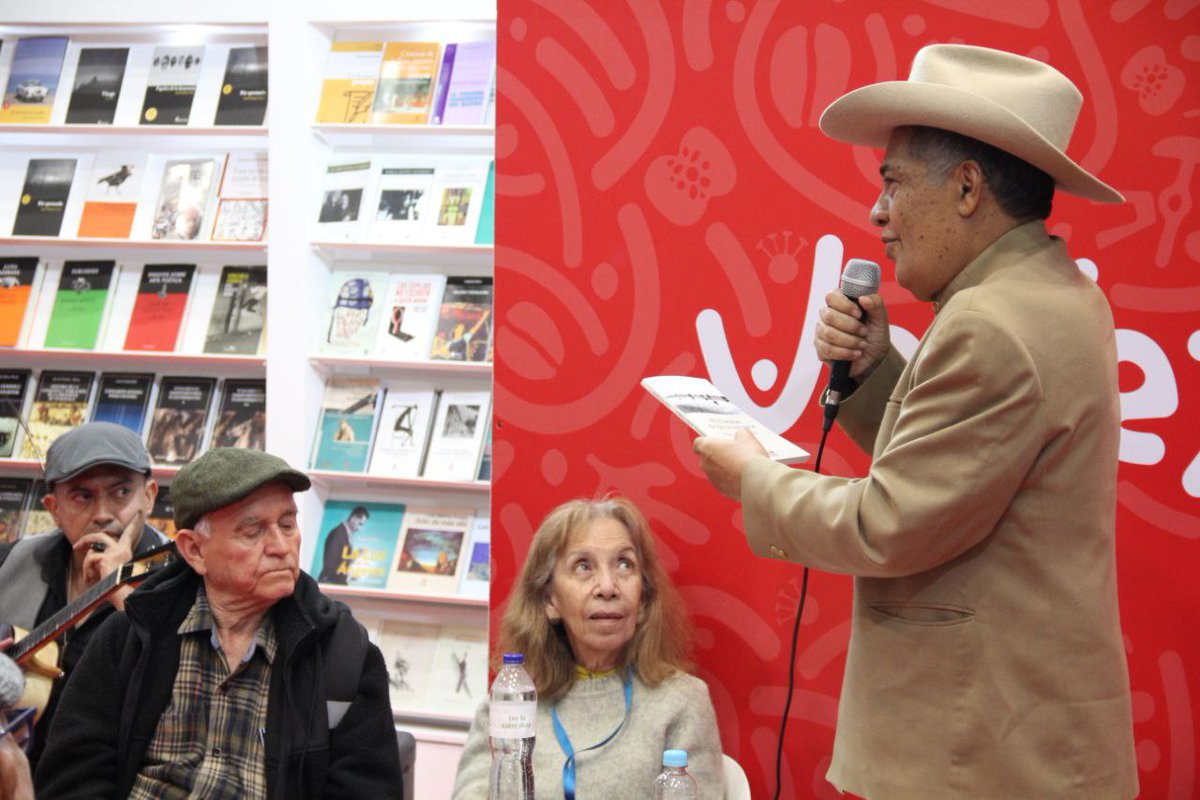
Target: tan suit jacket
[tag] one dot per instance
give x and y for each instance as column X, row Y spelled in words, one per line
column 986, row 658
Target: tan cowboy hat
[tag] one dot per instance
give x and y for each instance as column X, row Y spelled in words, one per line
column 1017, row 104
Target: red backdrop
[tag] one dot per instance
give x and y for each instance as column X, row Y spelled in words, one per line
column 667, row 204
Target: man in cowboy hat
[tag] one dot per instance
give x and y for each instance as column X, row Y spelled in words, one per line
column 985, row 658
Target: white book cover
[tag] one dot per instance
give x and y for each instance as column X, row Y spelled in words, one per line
column 409, row 310
column 458, row 433
column 708, row 412
column 182, row 210
column 458, row 187
column 242, row 199
column 340, row 217
column 408, row 651
column 124, row 295
column 477, row 575
column 458, row 679
column 403, row 201
column 429, row 558
column 470, row 83
column 354, row 312
column 112, row 193
column 403, row 431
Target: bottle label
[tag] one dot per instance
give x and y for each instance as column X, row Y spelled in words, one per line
column 511, row 719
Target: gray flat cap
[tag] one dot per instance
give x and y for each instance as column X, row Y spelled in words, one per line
column 91, row 445
column 226, row 475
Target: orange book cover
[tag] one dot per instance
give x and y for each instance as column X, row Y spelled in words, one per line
column 16, row 287
column 106, row 220
column 406, row 83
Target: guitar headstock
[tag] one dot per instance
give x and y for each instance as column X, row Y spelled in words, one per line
column 146, row 564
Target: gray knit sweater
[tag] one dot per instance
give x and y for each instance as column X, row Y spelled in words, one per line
column 677, row 714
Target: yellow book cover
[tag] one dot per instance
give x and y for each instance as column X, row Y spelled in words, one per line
column 350, row 77
column 406, row 83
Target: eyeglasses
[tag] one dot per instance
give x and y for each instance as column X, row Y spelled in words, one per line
column 20, row 725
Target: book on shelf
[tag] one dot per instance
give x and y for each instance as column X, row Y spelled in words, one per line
column 477, row 575
column 122, row 399
column 44, row 197
column 162, row 516
column 403, row 200
column 438, row 106
column 464, row 328
column 14, row 502
column 243, row 99
column 17, row 276
column 406, row 82
column 485, row 231
column 458, row 679
column 14, row 389
column 98, row 77
column 484, row 473
column 33, row 80
column 158, row 310
column 59, row 404
column 457, row 199
column 408, row 652
column 171, row 85
column 111, row 197
column 349, row 410
column 241, row 415
column 183, row 199
column 342, row 199
column 459, row 429
column 489, row 116
column 351, row 74
column 358, row 543
column 242, row 199
column 707, row 411
column 37, row 518
column 81, row 304
column 239, row 312
column 180, row 421
column 354, row 312
column 409, row 311
column 403, row 431
column 429, row 557
column 470, row 83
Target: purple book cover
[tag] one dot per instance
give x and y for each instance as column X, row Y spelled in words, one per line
column 466, row 99
column 443, row 84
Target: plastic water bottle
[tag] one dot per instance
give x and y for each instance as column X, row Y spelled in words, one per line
column 674, row 782
column 512, row 713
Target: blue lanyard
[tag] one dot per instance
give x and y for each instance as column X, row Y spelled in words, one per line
column 564, row 741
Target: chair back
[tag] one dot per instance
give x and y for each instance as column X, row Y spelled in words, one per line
column 408, row 761
column 737, row 787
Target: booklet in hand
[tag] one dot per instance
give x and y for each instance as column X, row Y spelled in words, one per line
column 710, row 413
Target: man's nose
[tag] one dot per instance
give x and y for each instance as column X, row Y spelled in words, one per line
column 879, row 213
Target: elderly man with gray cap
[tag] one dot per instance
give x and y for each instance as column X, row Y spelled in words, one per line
column 100, row 493
column 985, row 656
column 229, row 675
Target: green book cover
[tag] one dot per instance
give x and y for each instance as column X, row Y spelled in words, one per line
column 79, row 304
column 486, row 232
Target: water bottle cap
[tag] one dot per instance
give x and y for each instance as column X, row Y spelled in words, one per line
column 675, row 758
column 514, row 658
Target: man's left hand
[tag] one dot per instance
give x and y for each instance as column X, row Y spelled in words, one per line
column 724, row 461
column 106, row 554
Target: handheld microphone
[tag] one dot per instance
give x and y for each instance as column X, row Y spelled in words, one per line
column 12, row 683
column 859, row 279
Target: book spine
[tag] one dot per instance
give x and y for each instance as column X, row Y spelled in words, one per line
column 443, row 85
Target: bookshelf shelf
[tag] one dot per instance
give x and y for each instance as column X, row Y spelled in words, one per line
column 341, row 482
column 99, row 359
column 31, row 467
column 45, row 244
column 329, row 365
column 469, row 255
column 139, row 130
column 423, row 599
column 437, row 138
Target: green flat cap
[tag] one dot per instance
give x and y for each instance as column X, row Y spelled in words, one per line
column 226, row 475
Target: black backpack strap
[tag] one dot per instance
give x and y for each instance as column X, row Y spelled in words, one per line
column 345, row 654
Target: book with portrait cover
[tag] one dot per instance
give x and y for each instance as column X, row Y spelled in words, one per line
column 14, row 500
column 478, row 573
column 14, row 388
column 467, row 95
column 122, row 399
column 404, row 197
column 44, row 197
column 244, row 90
column 162, row 299
column 339, row 217
column 180, row 419
column 406, row 83
column 98, row 77
column 403, row 432
column 408, row 651
column 457, row 200
column 351, row 74
column 354, row 314
column 183, row 199
column 171, row 85
column 242, row 199
column 464, row 327
column 59, row 404
column 242, row 415
column 459, row 429
column 162, row 516
column 346, row 425
column 458, row 679
column 112, row 195
column 239, row 313
column 80, row 304
column 33, row 80
column 409, row 312
column 707, row 411
column 17, row 275
column 358, row 543
column 429, row 558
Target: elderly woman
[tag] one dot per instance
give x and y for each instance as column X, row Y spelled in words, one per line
column 593, row 611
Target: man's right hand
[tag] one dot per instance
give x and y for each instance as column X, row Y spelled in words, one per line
column 842, row 336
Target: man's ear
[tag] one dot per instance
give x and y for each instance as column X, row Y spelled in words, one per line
column 151, row 494
column 968, row 177
column 187, row 544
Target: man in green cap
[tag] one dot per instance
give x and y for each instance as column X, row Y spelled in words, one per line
column 229, row 674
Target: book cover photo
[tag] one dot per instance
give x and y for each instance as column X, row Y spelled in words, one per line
column 478, row 574
column 408, row 651
column 180, row 419
column 406, row 83
column 242, row 414
column 239, row 313
column 44, row 197
column 403, row 432
column 348, row 90
column 122, row 399
column 431, row 549
column 158, row 310
column 33, row 80
column 112, row 195
column 59, row 404
column 14, row 498
column 464, row 328
column 242, row 199
column 162, row 516
column 404, row 201
column 457, row 200
column 183, row 199
column 358, row 543
column 459, row 430
column 243, row 98
column 458, row 679
column 342, row 199
column 409, row 315
column 17, row 275
column 83, row 297
column 354, row 312
column 14, row 388
column 349, row 410
column 98, row 77
column 171, row 85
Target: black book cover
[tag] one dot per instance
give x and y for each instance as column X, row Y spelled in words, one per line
column 97, row 85
column 44, row 196
column 162, row 516
column 242, row 416
column 239, row 313
column 244, row 90
column 14, row 385
column 14, row 497
column 122, row 399
column 59, row 404
column 171, row 85
column 180, row 419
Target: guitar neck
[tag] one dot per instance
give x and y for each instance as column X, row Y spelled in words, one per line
column 68, row 614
